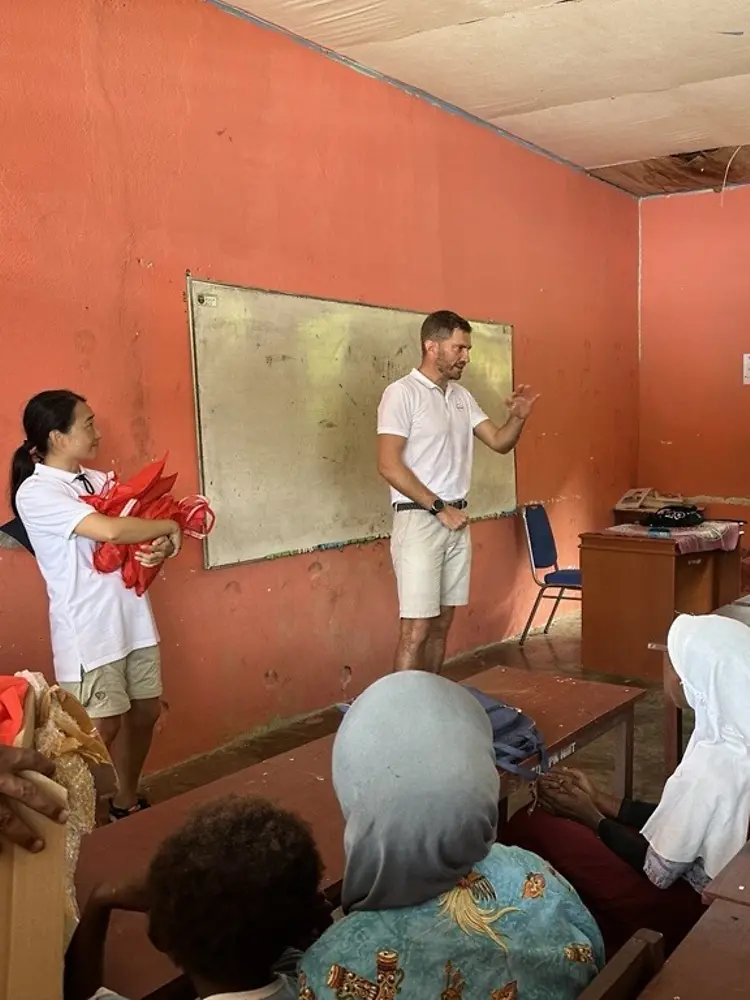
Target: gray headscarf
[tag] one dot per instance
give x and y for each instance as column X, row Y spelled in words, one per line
column 414, row 772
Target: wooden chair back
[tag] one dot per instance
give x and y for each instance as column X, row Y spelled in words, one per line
column 630, row 970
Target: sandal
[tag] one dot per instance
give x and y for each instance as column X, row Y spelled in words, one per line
column 116, row 813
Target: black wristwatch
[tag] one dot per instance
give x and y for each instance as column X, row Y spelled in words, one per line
column 437, row 506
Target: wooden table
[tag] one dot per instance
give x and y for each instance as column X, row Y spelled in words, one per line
column 299, row 780
column 633, row 586
column 733, row 883
column 711, row 963
column 570, row 713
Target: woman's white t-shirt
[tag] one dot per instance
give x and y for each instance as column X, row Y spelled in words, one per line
column 94, row 618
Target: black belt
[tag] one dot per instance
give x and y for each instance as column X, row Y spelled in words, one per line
column 458, row 504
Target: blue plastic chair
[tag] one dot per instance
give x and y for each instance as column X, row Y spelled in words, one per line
column 547, row 574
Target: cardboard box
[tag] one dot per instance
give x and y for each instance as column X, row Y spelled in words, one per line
column 32, row 899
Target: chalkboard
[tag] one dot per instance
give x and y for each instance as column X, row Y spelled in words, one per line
column 287, row 389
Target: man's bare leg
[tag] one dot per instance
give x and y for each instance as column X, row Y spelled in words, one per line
column 411, row 643
column 434, row 648
column 132, row 747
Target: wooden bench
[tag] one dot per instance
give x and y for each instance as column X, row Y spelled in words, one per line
column 733, row 883
column 570, row 713
column 711, row 963
column 630, row 971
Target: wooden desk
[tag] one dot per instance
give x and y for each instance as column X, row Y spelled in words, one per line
column 711, row 963
column 733, row 883
column 632, row 589
column 298, row 780
column 569, row 712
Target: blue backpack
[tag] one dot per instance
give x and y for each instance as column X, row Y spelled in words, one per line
column 515, row 737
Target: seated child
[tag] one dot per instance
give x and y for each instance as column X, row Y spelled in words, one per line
column 227, row 896
column 638, row 864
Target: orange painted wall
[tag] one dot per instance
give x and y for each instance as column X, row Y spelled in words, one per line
column 142, row 139
column 695, row 327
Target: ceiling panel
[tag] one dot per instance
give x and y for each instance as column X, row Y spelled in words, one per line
column 597, row 82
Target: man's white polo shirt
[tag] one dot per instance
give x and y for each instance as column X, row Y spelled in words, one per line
column 439, row 431
column 94, row 618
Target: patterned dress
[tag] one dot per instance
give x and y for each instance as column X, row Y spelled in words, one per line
column 513, row 929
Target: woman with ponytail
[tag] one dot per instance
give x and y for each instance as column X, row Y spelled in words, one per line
column 104, row 640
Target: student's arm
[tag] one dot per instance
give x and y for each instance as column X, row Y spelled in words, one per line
column 125, row 530
column 624, row 842
column 629, row 812
column 634, row 849
column 661, row 872
column 84, row 959
column 635, row 813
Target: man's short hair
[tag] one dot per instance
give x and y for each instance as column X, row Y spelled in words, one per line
column 441, row 324
column 232, row 889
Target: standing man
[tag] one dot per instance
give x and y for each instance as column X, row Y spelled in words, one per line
column 426, row 424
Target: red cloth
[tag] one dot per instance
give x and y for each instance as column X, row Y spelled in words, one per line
column 12, row 696
column 145, row 495
column 621, row 900
column 706, row 537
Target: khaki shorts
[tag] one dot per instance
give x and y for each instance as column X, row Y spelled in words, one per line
column 108, row 691
column 432, row 564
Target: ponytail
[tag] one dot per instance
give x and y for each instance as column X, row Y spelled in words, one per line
column 21, row 467
column 53, row 410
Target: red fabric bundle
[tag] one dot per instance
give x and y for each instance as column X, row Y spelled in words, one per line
column 12, row 694
column 145, row 495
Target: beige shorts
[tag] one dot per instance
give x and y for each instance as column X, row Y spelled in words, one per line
column 108, row 691
column 432, row 564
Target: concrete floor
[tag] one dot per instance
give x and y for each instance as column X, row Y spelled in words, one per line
column 559, row 652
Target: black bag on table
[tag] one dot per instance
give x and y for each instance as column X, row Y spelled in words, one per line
column 674, row 516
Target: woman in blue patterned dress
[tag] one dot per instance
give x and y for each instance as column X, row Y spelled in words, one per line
column 435, row 909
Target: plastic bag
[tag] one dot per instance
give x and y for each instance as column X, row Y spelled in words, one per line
column 146, row 495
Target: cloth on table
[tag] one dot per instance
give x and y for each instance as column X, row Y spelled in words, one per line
column 706, row 537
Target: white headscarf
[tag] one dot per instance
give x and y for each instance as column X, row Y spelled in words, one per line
column 414, row 771
column 704, row 810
